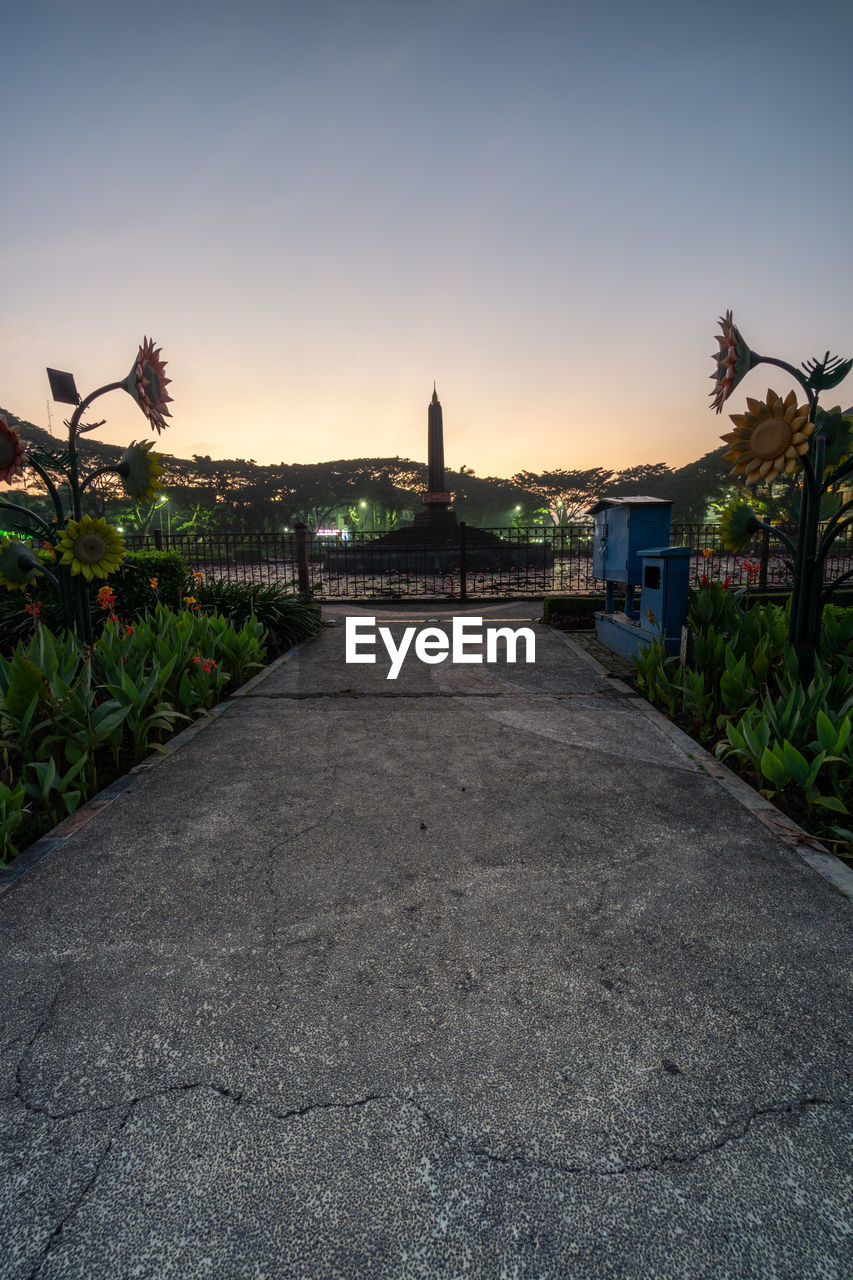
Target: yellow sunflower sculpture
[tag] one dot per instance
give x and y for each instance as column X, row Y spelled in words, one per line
column 769, row 439
column 140, row 471
column 19, row 564
column 736, row 525
column 91, row 547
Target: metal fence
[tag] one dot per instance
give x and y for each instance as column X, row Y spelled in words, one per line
column 474, row 564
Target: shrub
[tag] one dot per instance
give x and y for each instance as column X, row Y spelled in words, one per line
column 132, row 584
column 287, row 618
column 575, row 611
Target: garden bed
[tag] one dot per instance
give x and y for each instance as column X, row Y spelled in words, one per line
column 75, row 718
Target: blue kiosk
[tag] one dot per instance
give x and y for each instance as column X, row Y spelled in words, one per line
column 630, row 551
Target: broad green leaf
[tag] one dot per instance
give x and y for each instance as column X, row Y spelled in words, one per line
column 795, row 763
column 826, row 732
column 773, row 768
column 826, row 802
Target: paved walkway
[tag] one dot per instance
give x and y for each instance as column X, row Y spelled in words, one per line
column 471, row 974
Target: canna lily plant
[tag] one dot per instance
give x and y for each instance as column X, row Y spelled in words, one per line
column 83, row 548
column 779, row 436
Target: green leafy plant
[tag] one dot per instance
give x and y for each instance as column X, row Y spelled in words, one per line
column 657, row 676
column 49, row 782
column 13, row 809
column 742, row 693
column 69, row 711
column 286, row 618
column 148, row 716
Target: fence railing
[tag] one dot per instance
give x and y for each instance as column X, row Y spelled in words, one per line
column 468, row 564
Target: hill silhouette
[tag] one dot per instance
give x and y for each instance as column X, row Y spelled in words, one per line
column 254, row 494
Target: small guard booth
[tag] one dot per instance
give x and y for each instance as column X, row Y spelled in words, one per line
column 630, row 552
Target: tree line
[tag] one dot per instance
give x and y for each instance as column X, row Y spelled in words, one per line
column 204, row 495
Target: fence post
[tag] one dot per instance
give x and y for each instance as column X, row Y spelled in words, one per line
column 302, row 560
column 764, row 557
column 158, row 539
column 463, row 563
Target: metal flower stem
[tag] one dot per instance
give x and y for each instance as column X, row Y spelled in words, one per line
column 806, row 599
column 809, row 594
column 73, row 428
column 77, row 585
column 24, row 511
column 72, row 591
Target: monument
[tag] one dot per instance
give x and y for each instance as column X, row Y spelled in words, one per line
column 433, row 542
column 437, row 514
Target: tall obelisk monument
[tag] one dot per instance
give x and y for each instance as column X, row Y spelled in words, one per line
column 436, row 500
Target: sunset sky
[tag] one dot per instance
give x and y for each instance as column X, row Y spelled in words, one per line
column 318, row 208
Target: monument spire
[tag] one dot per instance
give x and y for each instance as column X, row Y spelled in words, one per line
column 435, row 446
column 436, row 499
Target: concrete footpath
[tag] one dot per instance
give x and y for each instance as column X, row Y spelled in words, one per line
column 474, row 973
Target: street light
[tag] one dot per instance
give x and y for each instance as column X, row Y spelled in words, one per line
column 372, row 515
column 161, row 503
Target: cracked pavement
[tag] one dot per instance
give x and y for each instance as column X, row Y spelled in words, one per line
column 471, row 975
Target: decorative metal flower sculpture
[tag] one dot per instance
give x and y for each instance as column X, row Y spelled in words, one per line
column 147, row 383
column 736, row 525
column 140, row 471
column 18, row 564
column 11, row 451
column 733, row 360
column 770, row 438
column 91, row 547
column 837, row 430
column 778, row 437
column 88, row 547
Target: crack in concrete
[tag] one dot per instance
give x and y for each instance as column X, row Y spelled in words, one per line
column 19, row 1084
column 57, row 1231
column 478, row 1152
column 454, row 1139
column 129, row 1108
column 650, row 1166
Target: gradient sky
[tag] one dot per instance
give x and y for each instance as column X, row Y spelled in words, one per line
column 317, row 209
